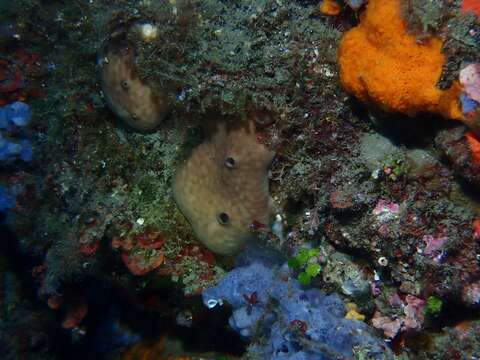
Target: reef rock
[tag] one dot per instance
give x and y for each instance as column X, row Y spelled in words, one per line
column 223, row 187
column 128, row 96
column 462, row 149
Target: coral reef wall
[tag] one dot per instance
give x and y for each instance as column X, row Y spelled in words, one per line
column 143, row 144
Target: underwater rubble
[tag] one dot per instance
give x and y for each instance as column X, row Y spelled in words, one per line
column 251, row 179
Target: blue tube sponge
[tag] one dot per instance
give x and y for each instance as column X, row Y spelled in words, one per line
column 11, row 150
column 17, row 113
column 297, row 323
column 7, row 198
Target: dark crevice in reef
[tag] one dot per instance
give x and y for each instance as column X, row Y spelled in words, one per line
column 22, row 295
column 469, row 189
column 17, row 262
column 453, row 313
column 108, row 304
column 415, row 132
column 208, row 332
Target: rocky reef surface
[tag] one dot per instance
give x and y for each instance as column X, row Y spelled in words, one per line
column 146, row 147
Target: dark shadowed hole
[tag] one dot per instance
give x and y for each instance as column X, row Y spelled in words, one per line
column 398, row 128
column 223, row 218
column 230, row 162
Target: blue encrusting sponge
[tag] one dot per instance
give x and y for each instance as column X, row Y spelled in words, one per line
column 294, row 322
column 17, row 114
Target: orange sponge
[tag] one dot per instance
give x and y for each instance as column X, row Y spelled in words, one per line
column 381, row 63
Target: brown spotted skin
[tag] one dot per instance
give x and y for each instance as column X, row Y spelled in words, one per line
column 130, row 98
column 207, row 185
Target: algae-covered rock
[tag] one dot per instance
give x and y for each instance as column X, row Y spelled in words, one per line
column 456, row 145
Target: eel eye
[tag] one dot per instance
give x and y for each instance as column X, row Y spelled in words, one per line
column 223, row 218
column 230, row 162
column 124, row 84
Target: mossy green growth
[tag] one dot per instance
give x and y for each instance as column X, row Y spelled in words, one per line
column 394, row 168
column 305, row 262
column 433, row 305
column 225, row 57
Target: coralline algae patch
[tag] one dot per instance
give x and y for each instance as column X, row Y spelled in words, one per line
column 223, row 187
column 474, row 146
column 381, row 63
column 471, row 6
column 195, row 267
column 21, row 76
column 130, row 98
column 141, row 253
